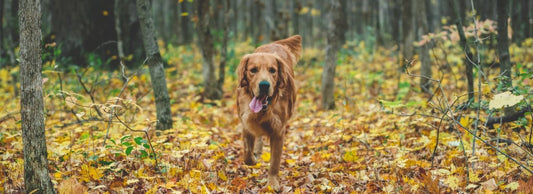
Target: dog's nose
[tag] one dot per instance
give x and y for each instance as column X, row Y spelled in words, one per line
column 263, row 86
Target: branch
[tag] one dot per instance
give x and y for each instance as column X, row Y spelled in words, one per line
column 506, row 118
column 147, row 138
column 116, row 102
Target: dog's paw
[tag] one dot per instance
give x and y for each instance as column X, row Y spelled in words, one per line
column 250, row 161
column 273, row 183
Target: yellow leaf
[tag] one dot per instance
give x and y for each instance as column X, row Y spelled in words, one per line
column 131, row 181
column 346, row 137
column 349, row 156
column 452, row 182
column 265, row 156
column 465, row 121
column 513, row 186
column 222, row 176
column 185, row 14
column 105, row 13
column 505, row 99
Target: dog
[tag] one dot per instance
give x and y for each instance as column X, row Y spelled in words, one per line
column 266, row 97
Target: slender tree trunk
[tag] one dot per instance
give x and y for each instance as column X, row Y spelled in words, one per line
column 185, row 30
column 224, row 51
column 205, row 39
column 36, row 175
column 155, row 65
column 1, row 31
column 117, row 14
column 422, row 23
column 296, row 8
column 503, row 43
column 469, row 67
column 434, row 11
column 407, row 30
column 383, row 23
column 335, row 38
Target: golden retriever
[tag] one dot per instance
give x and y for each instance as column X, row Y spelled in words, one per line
column 266, row 96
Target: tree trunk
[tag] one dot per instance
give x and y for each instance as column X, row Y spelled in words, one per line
column 434, row 11
column 469, row 67
column 128, row 31
column 407, row 30
column 503, row 43
column 224, row 50
column 335, row 38
column 425, row 71
column 1, row 32
column 205, row 39
column 296, row 8
column 186, row 25
column 36, row 175
column 383, row 23
column 155, row 65
column 120, row 45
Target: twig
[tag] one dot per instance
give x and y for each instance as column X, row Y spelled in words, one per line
column 487, row 143
column 147, row 138
column 89, row 92
column 116, row 102
column 476, row 123
column 446, row 111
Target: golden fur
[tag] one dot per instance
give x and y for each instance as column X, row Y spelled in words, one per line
column 272, row 63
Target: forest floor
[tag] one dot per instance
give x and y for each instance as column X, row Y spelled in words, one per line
column 380, row 138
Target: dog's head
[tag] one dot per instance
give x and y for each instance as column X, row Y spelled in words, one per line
column 265, row 76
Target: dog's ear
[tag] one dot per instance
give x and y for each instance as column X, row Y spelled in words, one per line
column 285, row 80
column 241, row 72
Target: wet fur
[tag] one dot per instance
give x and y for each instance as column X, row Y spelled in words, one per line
column 280, row 56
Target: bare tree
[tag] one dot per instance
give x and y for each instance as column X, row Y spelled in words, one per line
column 36, row 175
column 503, row 43
column 205, row 40
column 155, row 65
column 335, row 38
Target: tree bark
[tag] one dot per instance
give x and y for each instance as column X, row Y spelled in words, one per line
column 185, row 31
column 407, row 30
column 1, row 31
column 503, row 43
column 120, row 44
column 36, row 175
column 205, row 40
column 425, row 71
column 155, row 65
column 469, row 67
column 224, row 50
column 335, row 38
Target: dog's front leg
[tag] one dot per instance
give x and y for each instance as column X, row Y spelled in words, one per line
column 276, row 148
column 249, row 140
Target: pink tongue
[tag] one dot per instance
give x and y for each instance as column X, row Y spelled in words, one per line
column 256, row 105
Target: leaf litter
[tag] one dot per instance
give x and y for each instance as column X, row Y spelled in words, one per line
column 371, row 143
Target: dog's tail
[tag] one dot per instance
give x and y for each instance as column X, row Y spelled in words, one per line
column 294, row 43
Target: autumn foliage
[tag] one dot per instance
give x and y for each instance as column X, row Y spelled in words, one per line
column 380, row 138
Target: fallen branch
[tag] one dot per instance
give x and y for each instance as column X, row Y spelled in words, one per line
column 506, row 118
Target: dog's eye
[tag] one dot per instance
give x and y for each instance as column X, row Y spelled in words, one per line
column 272, row 70
column 253, row 70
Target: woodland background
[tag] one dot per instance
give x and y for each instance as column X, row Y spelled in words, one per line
column 409, row 95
